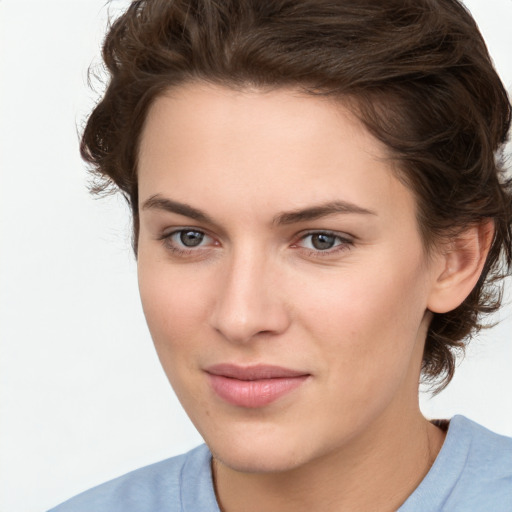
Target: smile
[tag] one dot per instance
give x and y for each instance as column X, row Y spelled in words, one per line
column 254, row 386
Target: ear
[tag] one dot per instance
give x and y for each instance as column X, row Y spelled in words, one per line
column 458, row 267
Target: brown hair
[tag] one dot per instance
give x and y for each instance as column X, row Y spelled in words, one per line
column 416, row 72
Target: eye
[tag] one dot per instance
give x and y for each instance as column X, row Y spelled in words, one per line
column 189, row 238
column 323, row 242
column 186, row 241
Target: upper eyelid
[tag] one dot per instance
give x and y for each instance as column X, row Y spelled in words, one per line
column 341, row 235
column 176, row 229
column 168, row 232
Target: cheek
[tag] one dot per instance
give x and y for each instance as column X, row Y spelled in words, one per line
column 366, row 324
column 173, row 303
column 174, row 308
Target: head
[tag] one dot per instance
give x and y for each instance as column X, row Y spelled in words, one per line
column 412, row 81
column 416, row 74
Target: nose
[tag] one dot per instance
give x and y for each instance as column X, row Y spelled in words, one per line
column 249, row 302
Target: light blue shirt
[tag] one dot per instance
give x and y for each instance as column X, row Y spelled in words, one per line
column 472, row 473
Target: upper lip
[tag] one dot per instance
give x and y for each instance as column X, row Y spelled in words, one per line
column 253, row 372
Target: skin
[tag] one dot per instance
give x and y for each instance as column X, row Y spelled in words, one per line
column 257, row 291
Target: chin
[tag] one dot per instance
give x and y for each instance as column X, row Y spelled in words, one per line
column 257, row 461
column 261, row 452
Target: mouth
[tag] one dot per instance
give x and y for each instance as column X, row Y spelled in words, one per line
column 253, row 386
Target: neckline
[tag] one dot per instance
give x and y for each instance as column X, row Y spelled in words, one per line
column 452, row 456
column 446, row 469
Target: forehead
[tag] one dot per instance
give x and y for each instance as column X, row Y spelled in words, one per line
column 218, row 115
column 252, row 149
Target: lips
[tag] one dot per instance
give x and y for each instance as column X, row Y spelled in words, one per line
column 253, row 386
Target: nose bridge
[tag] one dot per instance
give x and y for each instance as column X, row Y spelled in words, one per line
column 246, row 303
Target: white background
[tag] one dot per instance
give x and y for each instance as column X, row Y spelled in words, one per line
column 83, row 398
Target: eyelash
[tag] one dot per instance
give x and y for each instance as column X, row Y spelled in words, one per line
column 169, row 244
column 344, row 243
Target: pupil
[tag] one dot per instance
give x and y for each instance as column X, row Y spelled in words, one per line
column 191, row 238
column 323, row 241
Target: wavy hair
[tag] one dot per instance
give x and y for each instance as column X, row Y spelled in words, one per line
column 417, row 73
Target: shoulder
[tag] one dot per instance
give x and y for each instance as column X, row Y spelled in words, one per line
column 488, row 466
column 486, row 447
column 473, row 471
column 154, row 488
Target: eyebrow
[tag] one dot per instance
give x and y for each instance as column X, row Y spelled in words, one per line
column 285, row 218
column 319, row 211
column 158, row 202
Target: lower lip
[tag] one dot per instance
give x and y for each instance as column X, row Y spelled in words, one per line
column 253, row 393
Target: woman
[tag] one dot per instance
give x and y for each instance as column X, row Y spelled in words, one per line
column 320, row 219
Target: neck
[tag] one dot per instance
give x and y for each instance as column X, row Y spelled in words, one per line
column 377, row 471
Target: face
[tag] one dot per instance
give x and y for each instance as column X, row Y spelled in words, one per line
column 281, row 271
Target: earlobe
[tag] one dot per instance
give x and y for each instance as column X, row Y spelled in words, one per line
column 460, row 264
